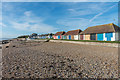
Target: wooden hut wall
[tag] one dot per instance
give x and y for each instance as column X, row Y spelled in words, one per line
column 69, row 37
column 76, row 37
column 109, row 36
column 61, row 36
column 87, row 36
column 96, row 36
column 58, row 37
column 84, row 37
column 92, row 36
column 81, row 37
column 55, row 37
column 117, row 36
column 64, row 37
column 72, row 37
column 113, row 38
column 100, row 37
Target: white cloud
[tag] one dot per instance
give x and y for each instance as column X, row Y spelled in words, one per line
column 101, row 13
column 86, row 9
column 72, row 23
column 2, row 25
column 78, row 22
column 30, row 22
column 27, row 13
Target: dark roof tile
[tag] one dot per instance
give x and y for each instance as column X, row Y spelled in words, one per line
column 73, row 32
column 59, row 33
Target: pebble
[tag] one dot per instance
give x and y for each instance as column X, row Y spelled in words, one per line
column 26, row 61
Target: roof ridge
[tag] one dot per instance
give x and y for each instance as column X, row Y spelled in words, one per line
column 101, row 25
column 75, row 30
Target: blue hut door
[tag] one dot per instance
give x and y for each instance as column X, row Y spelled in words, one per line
column 108, row 36
column 100, row 37
column 70, row 37
column 58, row 37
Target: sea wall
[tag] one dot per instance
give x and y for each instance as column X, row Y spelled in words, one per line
column 88, row 43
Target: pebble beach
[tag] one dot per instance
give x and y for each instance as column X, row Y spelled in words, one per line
column 58, row 60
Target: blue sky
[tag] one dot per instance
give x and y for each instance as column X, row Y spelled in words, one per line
column 24, row 18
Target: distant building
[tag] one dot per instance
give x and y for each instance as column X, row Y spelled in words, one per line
column 73, row 34
column 106, row 32
column 33, row 36
column 58, row 35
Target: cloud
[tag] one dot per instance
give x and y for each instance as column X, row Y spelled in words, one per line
column 77, row 20
column 6, row 34
column 30, row 22
column 27, row 13
column 72, row 23
column 101, row 13
column 86, row 9
column 2, row 25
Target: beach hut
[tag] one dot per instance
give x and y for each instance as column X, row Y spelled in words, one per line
column 39, row 36
column 59, row 35
column 64, row 36
column 106, row 32
column 81, row 37
column 44, row 36
column 73, row 34
column 50, row 36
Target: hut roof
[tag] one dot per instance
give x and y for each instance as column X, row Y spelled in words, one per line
column 102, row 29
column 73, row 32
column 59, row 33
column 44, row 34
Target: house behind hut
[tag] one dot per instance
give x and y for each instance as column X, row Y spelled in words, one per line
column 73, row 34
column 106, row 32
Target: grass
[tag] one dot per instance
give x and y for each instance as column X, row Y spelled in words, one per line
column 40, row 39
column 89, row 41
column 85, row 40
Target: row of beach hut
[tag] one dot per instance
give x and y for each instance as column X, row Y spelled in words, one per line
column 106, row 32
column 42, row 36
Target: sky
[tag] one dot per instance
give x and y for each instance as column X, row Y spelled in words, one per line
column 25, row 18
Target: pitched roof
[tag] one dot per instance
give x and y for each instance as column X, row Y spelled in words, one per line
column 44, row 34
column 59, row 33
column 102, row 29
column 73, row 32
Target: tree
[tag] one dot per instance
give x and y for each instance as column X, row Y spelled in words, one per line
column 24, row 36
